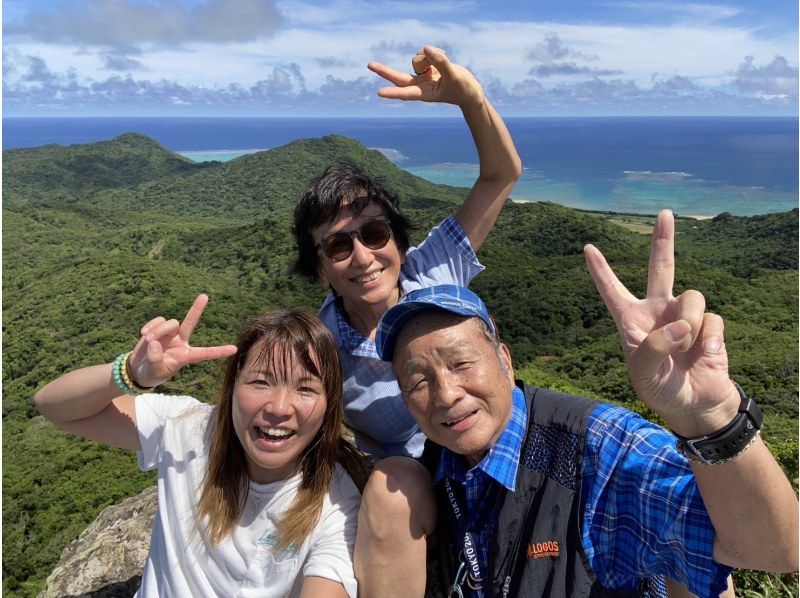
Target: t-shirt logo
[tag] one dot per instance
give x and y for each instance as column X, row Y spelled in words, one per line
column 268, row 541
column 541, row 550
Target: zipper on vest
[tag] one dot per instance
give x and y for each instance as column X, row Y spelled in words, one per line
column 506, row 586
column 515, row 552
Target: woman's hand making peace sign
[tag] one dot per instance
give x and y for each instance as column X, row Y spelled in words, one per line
column 164, row 347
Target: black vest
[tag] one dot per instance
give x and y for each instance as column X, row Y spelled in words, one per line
column 536, row 545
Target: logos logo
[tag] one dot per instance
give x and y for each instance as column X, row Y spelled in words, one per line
column 541, row 550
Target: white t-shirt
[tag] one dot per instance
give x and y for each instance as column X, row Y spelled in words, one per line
column 175, row 433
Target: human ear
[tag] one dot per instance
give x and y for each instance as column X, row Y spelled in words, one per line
column 505, row 356
column 323, row 280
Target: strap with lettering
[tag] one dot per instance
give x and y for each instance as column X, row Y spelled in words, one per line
column 473, row 576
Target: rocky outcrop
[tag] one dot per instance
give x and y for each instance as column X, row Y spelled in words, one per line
column 108, row 557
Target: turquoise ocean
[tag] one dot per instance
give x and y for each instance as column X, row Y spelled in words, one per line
column 695, row 166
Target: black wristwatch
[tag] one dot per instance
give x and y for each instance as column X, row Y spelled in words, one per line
column 728, row 442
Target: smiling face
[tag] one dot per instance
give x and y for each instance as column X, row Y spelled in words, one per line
column 278, row 408
column 369, row 277
column 456, row 385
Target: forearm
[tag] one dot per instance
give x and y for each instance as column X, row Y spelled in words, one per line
column 319, row 586
column 754, row 510
column 498, row 157
column 78, row 394
column 500, row 167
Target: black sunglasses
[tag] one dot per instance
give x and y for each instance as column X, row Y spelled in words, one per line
column 374, row 234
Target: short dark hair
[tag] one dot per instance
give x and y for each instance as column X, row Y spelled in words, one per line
column 342, row 183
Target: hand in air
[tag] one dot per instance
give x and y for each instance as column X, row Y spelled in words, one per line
column 164, row 347
column 674, row 349
column 436, row 79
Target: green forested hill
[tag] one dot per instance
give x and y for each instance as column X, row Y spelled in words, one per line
column 99, row 238
column 77, row 171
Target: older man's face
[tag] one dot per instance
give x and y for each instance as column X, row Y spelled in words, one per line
column 456, row 386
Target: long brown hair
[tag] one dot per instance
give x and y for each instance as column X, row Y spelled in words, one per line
column 294, row 335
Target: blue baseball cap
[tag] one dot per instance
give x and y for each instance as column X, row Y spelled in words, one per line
column 446, row 297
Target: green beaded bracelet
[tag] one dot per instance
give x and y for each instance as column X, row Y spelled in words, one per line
column 117, row 374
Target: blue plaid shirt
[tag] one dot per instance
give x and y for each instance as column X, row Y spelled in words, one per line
column 480, row 484
column 643, row 516
column 373, row 404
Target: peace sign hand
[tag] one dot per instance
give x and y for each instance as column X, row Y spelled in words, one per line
column 436, row 79
column 164, row 347
column 674, row 350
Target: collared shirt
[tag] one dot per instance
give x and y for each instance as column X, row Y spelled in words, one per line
column 480, row 484
column 643, row 515
column 373, row 404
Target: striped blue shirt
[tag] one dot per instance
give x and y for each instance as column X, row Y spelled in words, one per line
column 373, row 404
column 643, row 516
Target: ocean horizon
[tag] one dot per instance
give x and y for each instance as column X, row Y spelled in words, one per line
column 693, row 165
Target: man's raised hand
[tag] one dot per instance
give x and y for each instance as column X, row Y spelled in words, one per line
column 435, row 79
column 164, row 347
column 674, row 350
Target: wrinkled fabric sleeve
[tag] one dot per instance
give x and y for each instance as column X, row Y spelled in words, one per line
column 643, row 515
column 331, row 553
column 152, row 413
column 444, row 257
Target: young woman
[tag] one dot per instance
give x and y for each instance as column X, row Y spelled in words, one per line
column 353, row 239
column 253, row 498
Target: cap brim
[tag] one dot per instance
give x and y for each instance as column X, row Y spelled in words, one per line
column 395, row 318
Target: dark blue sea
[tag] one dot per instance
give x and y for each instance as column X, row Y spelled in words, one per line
column 696, row 166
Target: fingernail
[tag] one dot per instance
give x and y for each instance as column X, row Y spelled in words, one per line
column 713, row 344
column 674, row 333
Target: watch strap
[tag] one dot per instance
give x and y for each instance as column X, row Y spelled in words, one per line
column 729, row 441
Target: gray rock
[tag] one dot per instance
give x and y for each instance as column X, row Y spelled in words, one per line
column 108, row 557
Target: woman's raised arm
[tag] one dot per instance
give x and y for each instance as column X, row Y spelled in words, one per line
column 88, row 402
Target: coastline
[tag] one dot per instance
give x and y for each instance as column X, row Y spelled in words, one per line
column 615, row 214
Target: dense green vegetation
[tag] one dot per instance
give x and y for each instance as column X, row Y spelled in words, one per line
column 100, row 238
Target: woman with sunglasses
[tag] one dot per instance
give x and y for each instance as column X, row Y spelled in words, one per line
column 353, row 239
column 254, row 496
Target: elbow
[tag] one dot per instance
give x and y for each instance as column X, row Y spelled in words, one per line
column 508, row 174
column 513, row 169
column 517, row 167
column 39, row 402
column 42, row 402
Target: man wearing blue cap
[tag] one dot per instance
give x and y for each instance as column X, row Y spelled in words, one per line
column 545, row 494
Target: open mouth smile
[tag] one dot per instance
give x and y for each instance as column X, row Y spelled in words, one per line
column 453, row 422
column 275, row 435
column 364, row 278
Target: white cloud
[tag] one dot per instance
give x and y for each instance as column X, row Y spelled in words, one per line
column 125, row 24
column 362, row 13
column 284, row 91
column 317, row 54
column 777, row 78
column 708, row 12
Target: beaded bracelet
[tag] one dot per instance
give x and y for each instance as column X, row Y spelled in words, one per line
column 116, row 372
column 126, row 375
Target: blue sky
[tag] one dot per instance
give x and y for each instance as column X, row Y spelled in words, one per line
column 308, row 58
